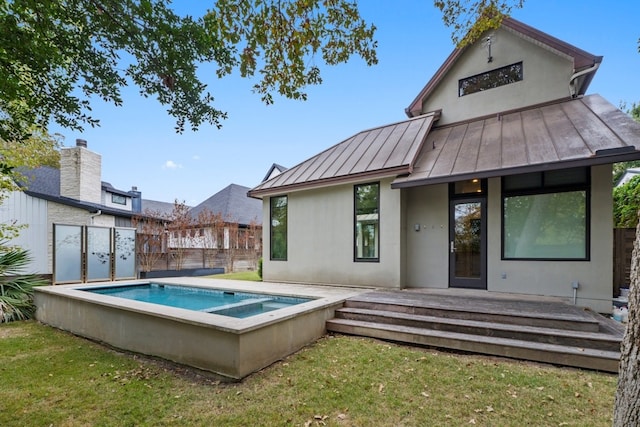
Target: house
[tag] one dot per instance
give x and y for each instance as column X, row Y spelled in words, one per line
column 77, row 224
column 627, row 176
column 499, row 180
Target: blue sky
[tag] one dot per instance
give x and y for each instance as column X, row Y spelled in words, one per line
column 139, row 146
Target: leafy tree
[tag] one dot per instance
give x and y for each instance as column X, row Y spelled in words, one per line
column 39, row 149
column 55, row 56
column 626, row 203
column 627, row 403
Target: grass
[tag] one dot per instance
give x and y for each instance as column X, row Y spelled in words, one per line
column 49, row 377
column 251, row 276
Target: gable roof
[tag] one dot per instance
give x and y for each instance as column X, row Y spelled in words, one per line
column 579, row 132
column 582, row 60
column 382, row 151
column 274, row 168
column 233, row 204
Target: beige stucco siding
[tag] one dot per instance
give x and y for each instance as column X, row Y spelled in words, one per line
column 321, row 240
column 554, row 278
column 427, row 249
column 546, row 75
column 428, row 259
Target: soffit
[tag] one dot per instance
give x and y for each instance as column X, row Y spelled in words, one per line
column 579, row 132
column 389, row 150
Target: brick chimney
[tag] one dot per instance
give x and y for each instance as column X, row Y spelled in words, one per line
column 81, row 173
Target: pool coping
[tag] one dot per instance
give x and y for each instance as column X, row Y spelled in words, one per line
column 323, row 296
column 228, row 346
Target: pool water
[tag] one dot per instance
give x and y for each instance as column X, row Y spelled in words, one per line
column 226, row 303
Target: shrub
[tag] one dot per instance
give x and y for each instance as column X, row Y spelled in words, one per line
column 260, row 268
column 16, row 289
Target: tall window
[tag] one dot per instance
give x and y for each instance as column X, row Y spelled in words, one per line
column 279, row 228
column 367, row 222
column 546, row 215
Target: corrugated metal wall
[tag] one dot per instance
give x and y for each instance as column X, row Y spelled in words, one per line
column 31, row 211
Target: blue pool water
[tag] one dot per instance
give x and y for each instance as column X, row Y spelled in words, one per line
column 226, row 303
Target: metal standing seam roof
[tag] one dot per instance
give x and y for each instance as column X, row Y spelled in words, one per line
column 385, row 150
column 579, row 132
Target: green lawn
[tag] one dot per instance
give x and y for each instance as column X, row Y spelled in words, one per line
column 51, row 378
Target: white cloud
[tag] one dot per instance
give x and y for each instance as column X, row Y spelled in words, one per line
column 170, row 164
column 196, row 157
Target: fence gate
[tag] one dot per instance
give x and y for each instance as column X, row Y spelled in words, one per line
column 87, row 254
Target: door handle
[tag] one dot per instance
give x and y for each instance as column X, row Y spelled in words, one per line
column 452, row 247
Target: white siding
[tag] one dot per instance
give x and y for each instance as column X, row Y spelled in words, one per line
column 24, row 209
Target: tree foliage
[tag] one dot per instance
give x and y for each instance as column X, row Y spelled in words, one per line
column 469, row 19
column 626, row 204
column 56, row 56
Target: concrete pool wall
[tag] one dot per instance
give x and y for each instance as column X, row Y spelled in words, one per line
column 228, row 346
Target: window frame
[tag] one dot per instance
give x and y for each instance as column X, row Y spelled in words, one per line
column 115, row 197
column 271, row 228
column 355, row 224
column 492, row 85
column 545, row 188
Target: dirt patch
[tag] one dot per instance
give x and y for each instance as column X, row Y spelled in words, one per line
column 11, row 333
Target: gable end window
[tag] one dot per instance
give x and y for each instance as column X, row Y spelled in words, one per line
column 118, row 199
column 367, row 222
column 545, row 215
column 278, row 228
column 490, row 79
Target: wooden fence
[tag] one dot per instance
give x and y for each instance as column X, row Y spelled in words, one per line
column 623, row 239
column 243, row 260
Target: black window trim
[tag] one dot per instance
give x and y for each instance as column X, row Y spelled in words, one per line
column 271, row 258
column 355, row 224
column 550, row 189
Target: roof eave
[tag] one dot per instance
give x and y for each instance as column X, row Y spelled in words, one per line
column 345, row 179
column 607, row 157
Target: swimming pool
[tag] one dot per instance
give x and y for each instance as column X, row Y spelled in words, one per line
column 230, row 346
column 221, row 302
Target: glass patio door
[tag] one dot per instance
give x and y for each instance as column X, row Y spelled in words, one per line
column 467, row 243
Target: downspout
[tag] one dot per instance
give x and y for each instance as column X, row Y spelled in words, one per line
column 93, row 215
column 572, row 90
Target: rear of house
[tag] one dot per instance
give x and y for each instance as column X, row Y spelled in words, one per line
column 500, row 180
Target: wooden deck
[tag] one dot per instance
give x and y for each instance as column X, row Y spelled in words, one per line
column 531, row 328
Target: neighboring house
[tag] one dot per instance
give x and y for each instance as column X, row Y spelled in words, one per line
column 68, row 200
column 274, row 171
column 227, row 219
column 628, row 174
column 500, row 180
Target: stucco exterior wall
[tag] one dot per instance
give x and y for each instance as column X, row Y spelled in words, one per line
column 427, row 249
column 321, row 239
column 554, row 278
column 428, row 257
column 546, row 76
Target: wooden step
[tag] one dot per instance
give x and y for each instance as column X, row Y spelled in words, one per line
column 563, row 317
column 601, row 360
column 594, row 340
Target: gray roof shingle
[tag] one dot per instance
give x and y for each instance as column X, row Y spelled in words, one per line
column 233, row 204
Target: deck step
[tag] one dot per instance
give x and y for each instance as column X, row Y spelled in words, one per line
column 571, row 319
column 593, row 340
column 580, row 357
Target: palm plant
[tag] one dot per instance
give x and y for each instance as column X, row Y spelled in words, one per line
column 16, row 289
